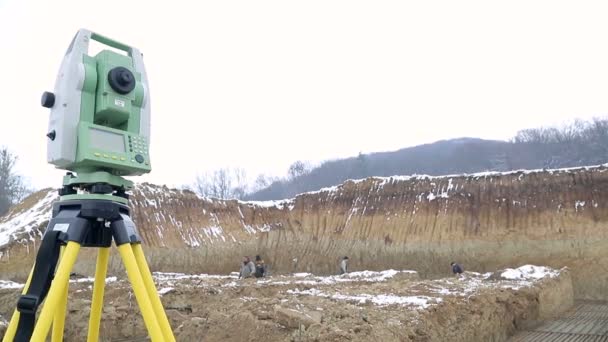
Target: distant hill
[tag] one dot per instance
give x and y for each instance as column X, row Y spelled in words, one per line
column 582, row 143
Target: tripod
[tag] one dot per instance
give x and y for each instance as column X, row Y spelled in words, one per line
column 94, row 221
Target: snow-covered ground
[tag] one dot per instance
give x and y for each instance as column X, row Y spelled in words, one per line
column 310, row 279
column 7, row 284
column 529, row 272
column 429, row 292
column 20, row 222
column 91, row 279
column 377, row 299
column 356, row 287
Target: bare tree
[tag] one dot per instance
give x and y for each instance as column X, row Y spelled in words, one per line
column 297, row 169
column 598, row 129
column 222, row 183
column 240, row 187
column 12, row 187
column 261, row 182
column 202, row 185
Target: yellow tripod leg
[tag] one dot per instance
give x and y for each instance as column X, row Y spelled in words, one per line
column 101, row 269
column 9, row 336
column 133, row 272
column 59, row 318
column 62, row 276
column 159, row 311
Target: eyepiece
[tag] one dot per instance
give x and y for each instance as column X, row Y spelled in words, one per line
column 121, row 80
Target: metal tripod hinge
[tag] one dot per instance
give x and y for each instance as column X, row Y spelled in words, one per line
column 94, row 223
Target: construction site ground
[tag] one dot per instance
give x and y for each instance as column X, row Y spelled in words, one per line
column 360, row 306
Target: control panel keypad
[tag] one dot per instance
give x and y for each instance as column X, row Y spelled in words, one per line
column 138, row 145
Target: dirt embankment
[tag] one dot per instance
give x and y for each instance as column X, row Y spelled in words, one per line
column 487, row 221
column 364, row 306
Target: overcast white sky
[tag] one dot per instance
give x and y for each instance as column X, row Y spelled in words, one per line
column 260, row 84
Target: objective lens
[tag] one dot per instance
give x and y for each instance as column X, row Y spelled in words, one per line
column 121, row 80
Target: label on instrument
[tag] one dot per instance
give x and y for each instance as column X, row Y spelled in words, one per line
column 61, row 227
column 119, row 103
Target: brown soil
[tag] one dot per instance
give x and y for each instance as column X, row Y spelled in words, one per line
column 472, row 308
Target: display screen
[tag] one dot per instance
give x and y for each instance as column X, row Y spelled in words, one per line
column 107, row 141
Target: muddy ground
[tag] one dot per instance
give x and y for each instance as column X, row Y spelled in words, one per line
column 363, row 306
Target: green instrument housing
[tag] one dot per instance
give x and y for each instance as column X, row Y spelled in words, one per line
column 100, row 114
column 108, row 131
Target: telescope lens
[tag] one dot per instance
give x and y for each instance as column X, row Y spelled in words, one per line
column 125, row 78
column 121, row 80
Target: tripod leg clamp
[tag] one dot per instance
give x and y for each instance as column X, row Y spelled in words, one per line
column 28, row 304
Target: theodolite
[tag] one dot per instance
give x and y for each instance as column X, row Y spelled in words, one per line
column 99, row 131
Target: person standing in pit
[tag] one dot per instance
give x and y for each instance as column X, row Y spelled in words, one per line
column 344, row 265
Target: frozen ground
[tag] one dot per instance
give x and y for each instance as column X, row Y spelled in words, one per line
column 356, row 306
column 330, row 287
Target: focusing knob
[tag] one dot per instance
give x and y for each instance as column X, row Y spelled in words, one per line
column 47, row 100
column 121, row 80
column 139, row 158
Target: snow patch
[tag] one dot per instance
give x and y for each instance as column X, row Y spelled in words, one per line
column 302, row 275
column 362, row 276
column 254, row 229
column 165, row 290
column 280, row 204
column 464, row 286
column 529, row 272
column 231, row 284
column 214, row 233
column 27, row 220
column 379, row 299
column 91, row 279
column 165, row 276
column 7, row 284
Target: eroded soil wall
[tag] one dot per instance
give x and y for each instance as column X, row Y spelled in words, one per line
column 486, row 222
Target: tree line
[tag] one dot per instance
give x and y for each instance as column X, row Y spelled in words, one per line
column 12, row 186
column 574, row 144
column 579, row 131
column 232, row 183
